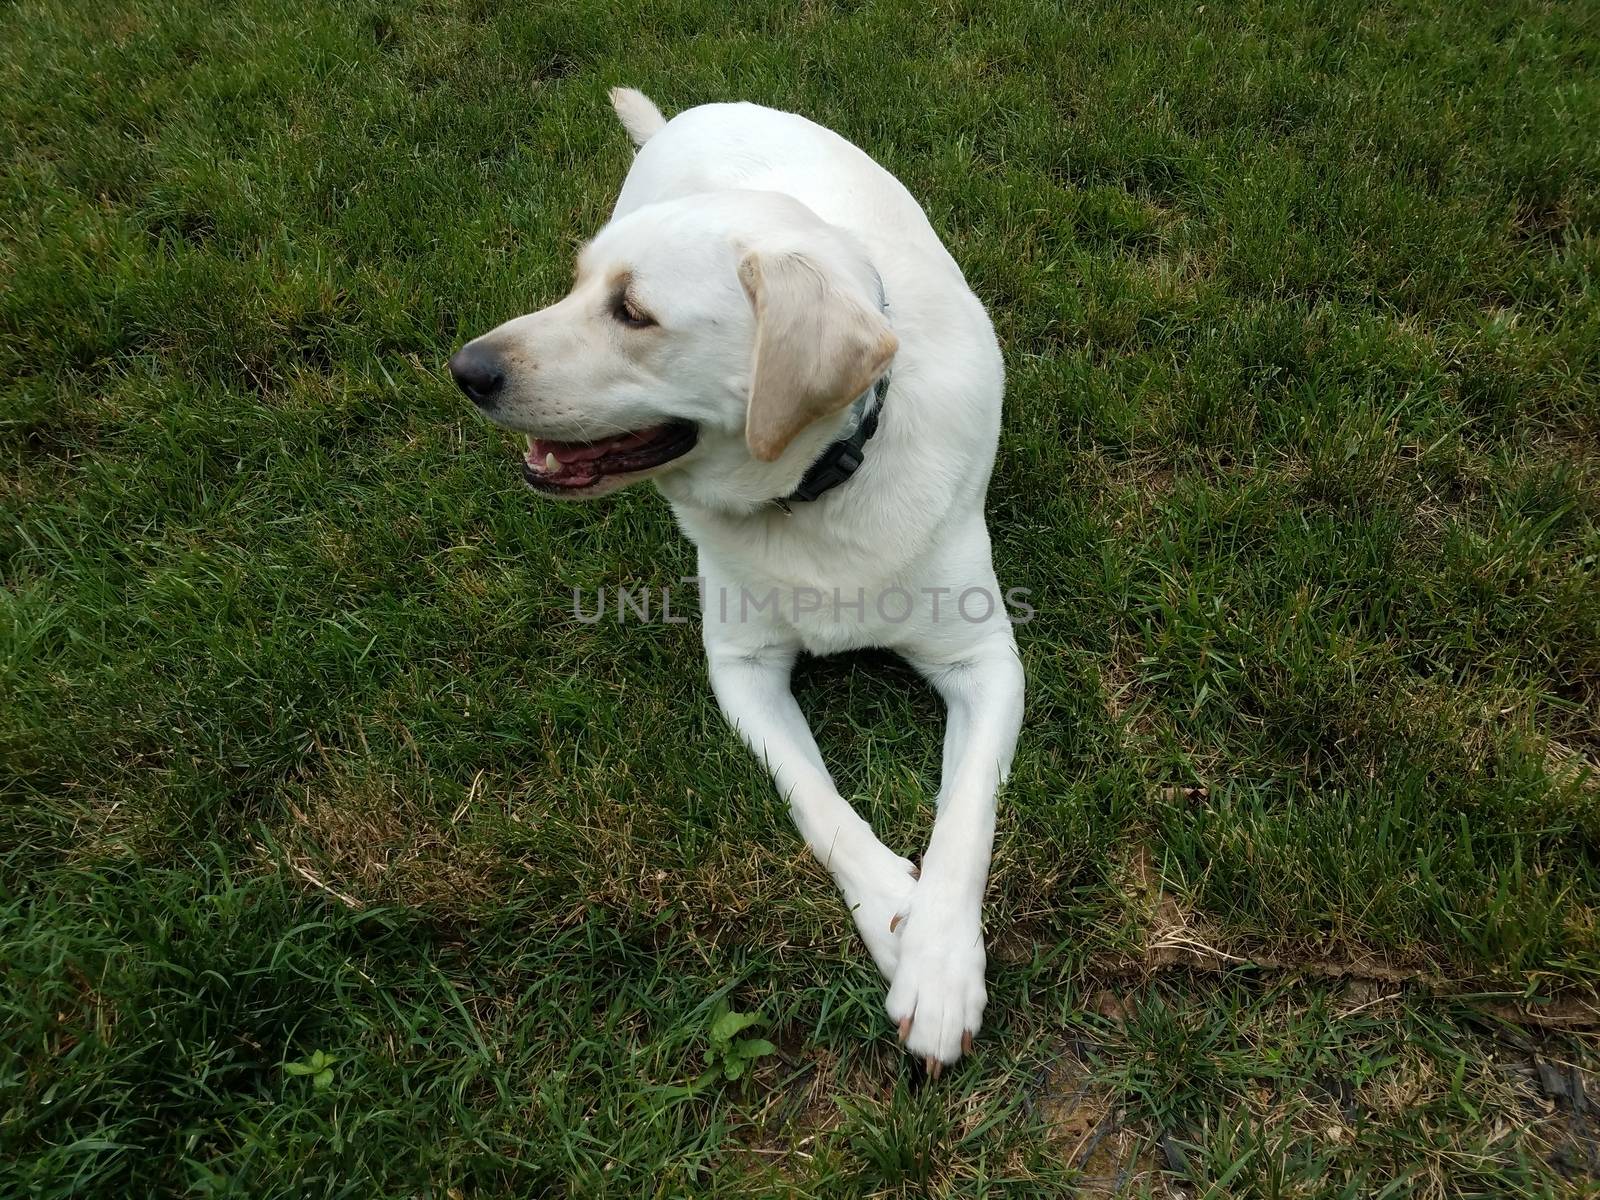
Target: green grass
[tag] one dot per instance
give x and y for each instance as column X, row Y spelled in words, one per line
column 1297, row 883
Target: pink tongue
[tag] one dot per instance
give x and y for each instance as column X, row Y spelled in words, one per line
column 568, row 453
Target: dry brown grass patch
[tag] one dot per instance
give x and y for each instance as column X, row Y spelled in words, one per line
column 365, row 839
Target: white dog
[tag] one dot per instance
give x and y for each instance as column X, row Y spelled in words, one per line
column 771, row 331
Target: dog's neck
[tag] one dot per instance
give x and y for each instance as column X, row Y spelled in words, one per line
column 754, row 493
column 844, row 455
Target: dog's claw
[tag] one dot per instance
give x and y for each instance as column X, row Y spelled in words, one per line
column 916, row 871
column 894, row 921
column 905, row 1030
column 934, row 1066
column 966, row 1042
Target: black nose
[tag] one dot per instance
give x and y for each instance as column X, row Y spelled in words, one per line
column 477, row 373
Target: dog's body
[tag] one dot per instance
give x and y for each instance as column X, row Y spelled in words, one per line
column 759, row 276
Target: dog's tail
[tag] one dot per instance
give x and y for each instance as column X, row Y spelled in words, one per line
column 638, row 114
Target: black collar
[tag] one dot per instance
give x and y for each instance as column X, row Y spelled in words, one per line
column 841, row 459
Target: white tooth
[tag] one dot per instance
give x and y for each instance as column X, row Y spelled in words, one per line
column 550, row 463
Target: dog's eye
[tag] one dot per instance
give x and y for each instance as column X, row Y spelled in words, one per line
column 630, row 314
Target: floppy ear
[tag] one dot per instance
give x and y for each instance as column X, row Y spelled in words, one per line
column 817, row 347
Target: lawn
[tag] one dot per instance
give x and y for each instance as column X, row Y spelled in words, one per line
column 302, row 751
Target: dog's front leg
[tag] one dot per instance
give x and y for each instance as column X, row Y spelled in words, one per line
column 752, row 688
column 938, row 996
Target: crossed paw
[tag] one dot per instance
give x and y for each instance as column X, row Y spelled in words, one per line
column 930, row 949
column 877, row 893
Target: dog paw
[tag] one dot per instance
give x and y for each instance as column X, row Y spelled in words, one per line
column 876, row 891
column 937, row 997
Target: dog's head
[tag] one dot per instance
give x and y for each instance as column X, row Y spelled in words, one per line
column 717, row 340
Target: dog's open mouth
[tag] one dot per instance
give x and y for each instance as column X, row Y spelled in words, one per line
column 571, row 466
